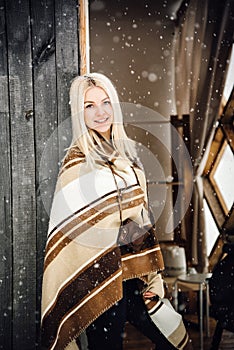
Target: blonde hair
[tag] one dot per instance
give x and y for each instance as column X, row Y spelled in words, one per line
column 87, row 140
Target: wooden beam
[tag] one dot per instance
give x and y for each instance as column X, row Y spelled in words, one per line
column 84, row 36
column 213, row 181
column 214, row 204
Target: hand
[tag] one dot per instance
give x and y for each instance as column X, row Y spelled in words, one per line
column 148, row 295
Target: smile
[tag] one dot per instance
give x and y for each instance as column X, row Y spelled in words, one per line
column 101, row 121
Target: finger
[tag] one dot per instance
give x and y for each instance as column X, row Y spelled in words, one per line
column 148, row 294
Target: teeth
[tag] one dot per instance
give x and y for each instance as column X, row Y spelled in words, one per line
column 101, row 120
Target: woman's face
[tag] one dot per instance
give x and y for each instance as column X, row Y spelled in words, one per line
column 98, row 112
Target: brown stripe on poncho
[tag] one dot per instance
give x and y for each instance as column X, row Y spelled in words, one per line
column 84, row 269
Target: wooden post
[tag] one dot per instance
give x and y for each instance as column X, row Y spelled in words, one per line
column 181, row 123
column 84, row 36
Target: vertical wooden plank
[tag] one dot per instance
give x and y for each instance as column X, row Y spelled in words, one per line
column 45, row 119
column 5, row 193
column 66, row 15
column 23, row 173
column 52, row 76
column 84, row 36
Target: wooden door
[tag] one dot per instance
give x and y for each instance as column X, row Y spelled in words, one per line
column 38, row 59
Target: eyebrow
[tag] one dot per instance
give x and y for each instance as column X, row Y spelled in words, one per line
column 106, row 98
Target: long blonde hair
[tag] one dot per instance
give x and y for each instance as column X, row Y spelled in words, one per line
column 87, row 140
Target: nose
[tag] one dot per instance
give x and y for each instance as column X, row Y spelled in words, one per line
column 100, row 110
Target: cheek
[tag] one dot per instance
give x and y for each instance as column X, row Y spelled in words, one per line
column 109, row 110
column 88, row 117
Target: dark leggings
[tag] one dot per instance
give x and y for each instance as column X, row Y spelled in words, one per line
column 107, row 331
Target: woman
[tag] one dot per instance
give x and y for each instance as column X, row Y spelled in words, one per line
column 93, row 279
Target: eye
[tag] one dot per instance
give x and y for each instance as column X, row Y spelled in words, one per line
column 90, row 105
column 107, row 102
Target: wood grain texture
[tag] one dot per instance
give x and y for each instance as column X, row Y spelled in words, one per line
column 5, row 196
column 23, row 174
column 34, row 84
column 45, row 123
column 84, row 36
column 66, row 27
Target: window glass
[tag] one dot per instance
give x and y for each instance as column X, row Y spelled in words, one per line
column 223, row 176
column 211, row 229
column 230, row 78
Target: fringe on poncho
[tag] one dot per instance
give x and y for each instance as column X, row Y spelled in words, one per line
column 84, row 268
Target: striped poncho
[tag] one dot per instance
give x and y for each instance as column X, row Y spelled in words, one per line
column 84, row 267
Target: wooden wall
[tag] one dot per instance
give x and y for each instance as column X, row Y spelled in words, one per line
column 38, row 58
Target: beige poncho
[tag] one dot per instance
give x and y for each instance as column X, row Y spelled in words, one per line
column 84, row 269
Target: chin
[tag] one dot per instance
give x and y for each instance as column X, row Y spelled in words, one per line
column 103, row 130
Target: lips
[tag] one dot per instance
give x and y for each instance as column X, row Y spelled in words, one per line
column 101, row 121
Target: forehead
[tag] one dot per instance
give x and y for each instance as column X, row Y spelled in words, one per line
column 95, row 93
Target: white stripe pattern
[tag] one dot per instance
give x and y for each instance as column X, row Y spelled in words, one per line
column 94, row 257
column 133, row 256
